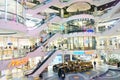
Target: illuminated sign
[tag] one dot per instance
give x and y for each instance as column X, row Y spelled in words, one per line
column 89, row 52
column 90, row 30
column 10, row 43
column 78, row 52
column 18, row 62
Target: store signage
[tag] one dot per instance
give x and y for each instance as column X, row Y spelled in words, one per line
column 10, row 43
column 18, row 62
column 90, row 30
column 89, row 52
column 78, row 52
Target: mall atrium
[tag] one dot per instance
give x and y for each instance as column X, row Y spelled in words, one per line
column 59, row 39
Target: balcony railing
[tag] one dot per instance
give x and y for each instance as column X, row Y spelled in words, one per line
column 12, row 17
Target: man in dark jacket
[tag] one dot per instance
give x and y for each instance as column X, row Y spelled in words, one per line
column 61, row 74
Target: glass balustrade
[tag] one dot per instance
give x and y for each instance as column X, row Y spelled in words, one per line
column 10, row 53
column 12, row 17
column 42, row 22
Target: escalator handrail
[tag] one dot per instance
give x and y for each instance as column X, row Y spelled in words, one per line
column 41, row 63
column 42, row 44
column 43, row 22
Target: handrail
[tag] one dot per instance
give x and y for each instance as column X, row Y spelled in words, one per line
column 42, row 43
column 41, row 63
column 42, row 22
column 12, row 13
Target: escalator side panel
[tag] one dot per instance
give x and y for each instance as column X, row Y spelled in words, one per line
column 46, row 63
column 37, row 52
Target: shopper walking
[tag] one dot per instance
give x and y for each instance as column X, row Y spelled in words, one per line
column 62, row 74
column 94, row 64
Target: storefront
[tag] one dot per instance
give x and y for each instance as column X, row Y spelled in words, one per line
column 81, row 43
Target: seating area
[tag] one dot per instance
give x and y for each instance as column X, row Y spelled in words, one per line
column 73, row 66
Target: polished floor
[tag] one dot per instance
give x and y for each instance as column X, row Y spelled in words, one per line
column 102, row 72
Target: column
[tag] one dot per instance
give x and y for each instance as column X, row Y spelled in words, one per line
column 95, row 9
column 6, row 10
column 24, row 10
column 61, row 12
column 17, row 11
column 70, row 57
column 63, row 56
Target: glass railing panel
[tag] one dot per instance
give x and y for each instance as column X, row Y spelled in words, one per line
column 39, row 44
column 39, row 24
column 110, row 26
column 48, row 37
column 10, row 54
column 12, row 17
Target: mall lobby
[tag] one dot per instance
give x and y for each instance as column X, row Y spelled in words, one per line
column 59, row 40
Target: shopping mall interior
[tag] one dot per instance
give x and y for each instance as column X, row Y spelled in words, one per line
column 59, row 40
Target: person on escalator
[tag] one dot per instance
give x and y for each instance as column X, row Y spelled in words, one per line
column 50, row 34
column 36, row 45
column 41, row 39
column 30, row 48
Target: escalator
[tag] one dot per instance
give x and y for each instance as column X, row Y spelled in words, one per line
column 42, row 65
column 34, row 31
column 39, row 50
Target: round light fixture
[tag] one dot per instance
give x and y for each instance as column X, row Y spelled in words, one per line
column 78, row 6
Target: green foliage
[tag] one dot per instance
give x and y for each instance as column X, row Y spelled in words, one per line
column 113, row 61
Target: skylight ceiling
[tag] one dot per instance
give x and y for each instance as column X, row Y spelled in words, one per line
column 78, row 6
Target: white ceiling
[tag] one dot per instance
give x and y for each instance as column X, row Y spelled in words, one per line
column 11, row 33
column 100, row 2
column 78, row 6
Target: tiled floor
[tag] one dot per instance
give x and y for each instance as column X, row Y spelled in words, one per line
column 109, row 75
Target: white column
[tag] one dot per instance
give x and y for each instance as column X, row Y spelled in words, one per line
column 6, row 10
column 17, row 11
column 95, row 9
column 63, row 53
column 62, row 13
column 70, row 57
